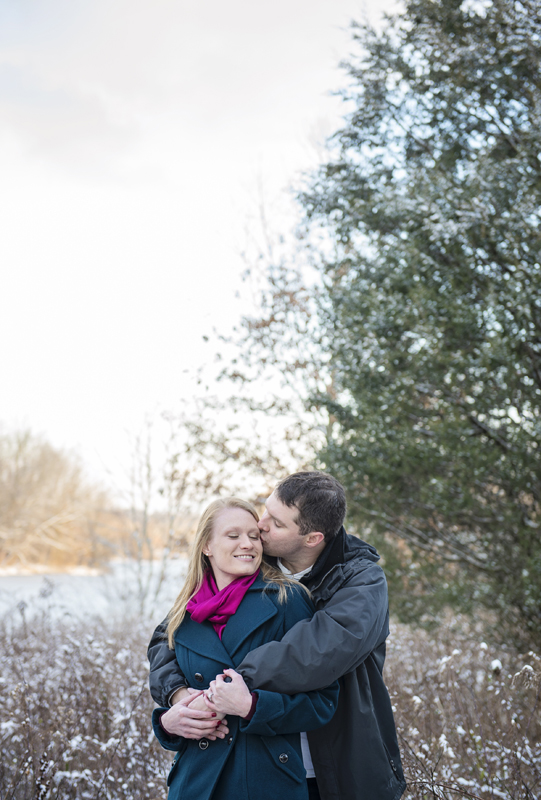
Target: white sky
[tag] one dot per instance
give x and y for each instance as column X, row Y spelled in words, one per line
column 133, row 135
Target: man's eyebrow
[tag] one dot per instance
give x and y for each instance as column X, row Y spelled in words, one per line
column 275, row 518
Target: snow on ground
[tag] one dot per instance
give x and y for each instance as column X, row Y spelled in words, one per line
column 127, row 587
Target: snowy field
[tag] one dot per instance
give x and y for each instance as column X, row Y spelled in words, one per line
column 127, row 587
column 75, row 712
column 75, row 707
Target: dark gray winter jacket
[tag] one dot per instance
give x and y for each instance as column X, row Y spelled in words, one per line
column 356, row 754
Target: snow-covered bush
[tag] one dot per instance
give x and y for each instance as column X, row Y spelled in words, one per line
column 467, row 715
column 75, row 714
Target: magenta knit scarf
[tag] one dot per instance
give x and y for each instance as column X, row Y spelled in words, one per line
column 218, row 606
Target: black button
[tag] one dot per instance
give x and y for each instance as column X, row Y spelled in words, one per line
column 228, row 679
column 283, row 757
column 198, row 677
column 230, row 740
column 203, row 744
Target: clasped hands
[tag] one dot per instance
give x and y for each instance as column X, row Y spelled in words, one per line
column 201, row 714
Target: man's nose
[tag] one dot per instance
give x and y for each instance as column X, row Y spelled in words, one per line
column 263, row 523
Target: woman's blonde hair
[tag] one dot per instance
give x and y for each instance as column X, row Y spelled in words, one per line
column 199, row 563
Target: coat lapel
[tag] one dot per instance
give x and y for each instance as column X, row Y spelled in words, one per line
column 256, row 608
column 201, row 638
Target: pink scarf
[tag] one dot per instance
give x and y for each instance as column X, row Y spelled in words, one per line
column 218, row 606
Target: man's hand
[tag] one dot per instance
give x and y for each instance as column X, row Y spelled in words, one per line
column 192, row 723
column 230, row 698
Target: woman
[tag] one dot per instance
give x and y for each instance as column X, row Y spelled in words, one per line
column 231, row 603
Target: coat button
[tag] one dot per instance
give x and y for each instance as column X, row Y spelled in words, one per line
column 198, row 677
column 230, row 740
column 203, row 744
column 283, row 757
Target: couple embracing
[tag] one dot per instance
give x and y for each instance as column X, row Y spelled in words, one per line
column 268, row 672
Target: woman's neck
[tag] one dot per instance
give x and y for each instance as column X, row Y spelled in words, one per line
column 224, row 580
column 221, row 582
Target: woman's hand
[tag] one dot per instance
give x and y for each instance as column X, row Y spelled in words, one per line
column 183, row 719
column 229, row 698
column 199, row 704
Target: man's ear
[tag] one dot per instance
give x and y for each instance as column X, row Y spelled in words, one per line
column 314, row 538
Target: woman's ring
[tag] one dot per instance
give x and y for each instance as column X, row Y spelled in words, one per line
column 210, row 695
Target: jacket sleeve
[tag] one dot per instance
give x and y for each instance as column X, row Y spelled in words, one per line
column 165, row 674
column 167, row 740
column 338, row 638
column 277, row 713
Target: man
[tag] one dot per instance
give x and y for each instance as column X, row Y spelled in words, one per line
column 355, row 756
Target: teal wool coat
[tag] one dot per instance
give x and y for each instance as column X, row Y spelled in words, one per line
column 260, row 759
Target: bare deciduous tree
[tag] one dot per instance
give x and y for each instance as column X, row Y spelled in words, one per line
column 49, row 510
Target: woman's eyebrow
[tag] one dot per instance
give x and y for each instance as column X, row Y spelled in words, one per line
column 238, row 530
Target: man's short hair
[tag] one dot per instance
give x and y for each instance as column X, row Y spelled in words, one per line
column 319, row 498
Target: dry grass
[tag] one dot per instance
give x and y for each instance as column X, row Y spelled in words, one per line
column 75, row 710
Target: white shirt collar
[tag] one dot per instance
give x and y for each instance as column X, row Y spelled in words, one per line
column 296, row 575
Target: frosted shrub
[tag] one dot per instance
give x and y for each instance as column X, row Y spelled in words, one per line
column 75, row 713
column 469, row 725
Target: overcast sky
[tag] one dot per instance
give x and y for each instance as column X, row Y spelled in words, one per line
column 133, row 137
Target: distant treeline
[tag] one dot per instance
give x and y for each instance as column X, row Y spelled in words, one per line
column 52, row 514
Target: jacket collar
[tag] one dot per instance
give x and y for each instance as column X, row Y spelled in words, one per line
column 341, row 549
column 201, row 638
column 331, row 556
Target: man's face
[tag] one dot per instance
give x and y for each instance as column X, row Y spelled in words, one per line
column 279, row 530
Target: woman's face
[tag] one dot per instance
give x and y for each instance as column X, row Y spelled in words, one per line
column 234, row 548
